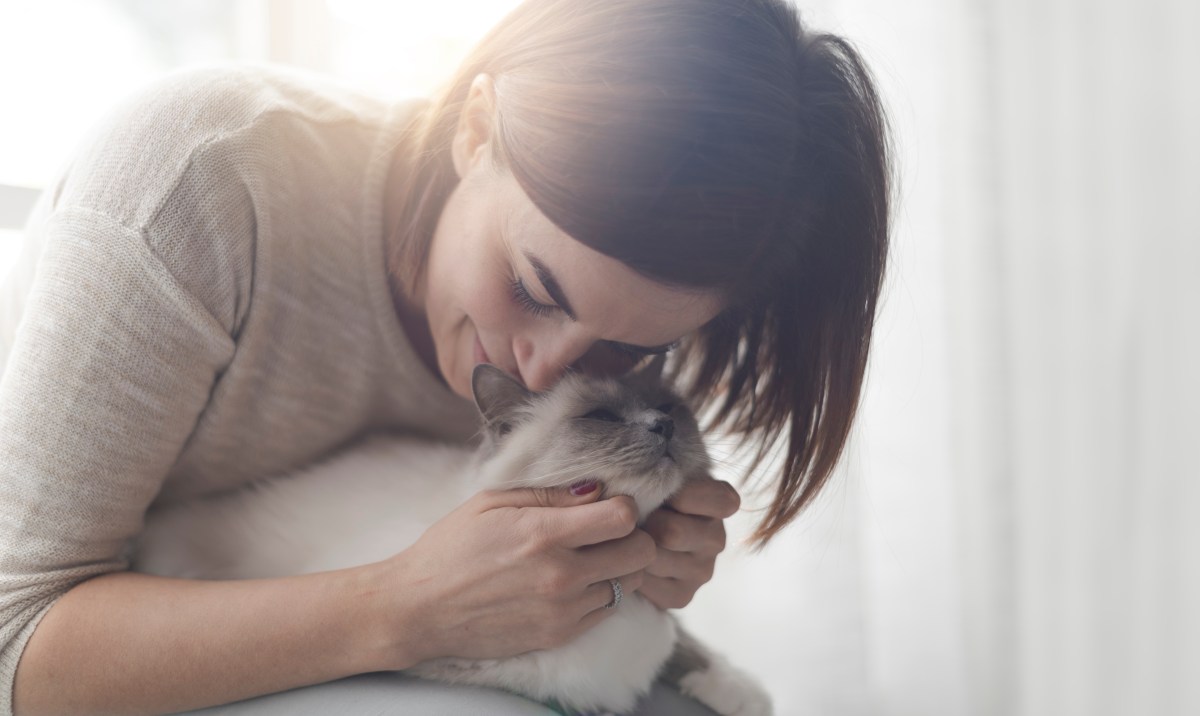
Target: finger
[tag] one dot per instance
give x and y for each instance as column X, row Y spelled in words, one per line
column 577, row 525
column 666, row 593
column 707, row 497
column 686, row 533
column 600, row 594
column 594, row 617
column 579, row 494
column 631, row 553
column 683, row 566
column 588, row 524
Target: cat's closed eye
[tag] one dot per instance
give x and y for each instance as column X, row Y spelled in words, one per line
column 666, row 408
column 603, row 414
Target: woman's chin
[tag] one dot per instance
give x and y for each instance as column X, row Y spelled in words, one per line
column 462, row 388
column 459, row 383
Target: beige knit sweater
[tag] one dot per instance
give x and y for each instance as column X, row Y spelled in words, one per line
column 200, row 300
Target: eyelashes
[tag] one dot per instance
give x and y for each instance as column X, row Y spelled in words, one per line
column 522, row 298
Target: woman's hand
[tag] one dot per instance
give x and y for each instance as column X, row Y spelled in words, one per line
column 690, row 534
column 512, row 571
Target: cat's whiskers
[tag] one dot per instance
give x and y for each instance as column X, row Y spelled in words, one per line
column 563, row 470
column 566, row 474
column 575, row 467
column 597, row 456
column 574, row 470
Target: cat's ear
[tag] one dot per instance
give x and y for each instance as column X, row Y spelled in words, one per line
column 648, row 376
column 498, row 396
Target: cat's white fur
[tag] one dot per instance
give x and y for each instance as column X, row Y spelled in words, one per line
column 377, row 499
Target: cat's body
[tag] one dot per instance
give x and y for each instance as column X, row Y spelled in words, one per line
column 377, row 499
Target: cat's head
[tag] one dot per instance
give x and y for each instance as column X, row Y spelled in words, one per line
column 633, row 434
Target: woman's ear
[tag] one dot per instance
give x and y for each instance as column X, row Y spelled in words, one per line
column 475, row 122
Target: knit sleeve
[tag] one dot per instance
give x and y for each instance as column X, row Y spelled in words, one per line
column 109, row 369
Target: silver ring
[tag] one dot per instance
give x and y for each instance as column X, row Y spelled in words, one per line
column 616, row 587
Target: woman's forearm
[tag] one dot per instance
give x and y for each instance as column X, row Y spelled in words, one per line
column 134, row 643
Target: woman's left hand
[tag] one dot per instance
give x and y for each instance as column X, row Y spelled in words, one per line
column 690, row 534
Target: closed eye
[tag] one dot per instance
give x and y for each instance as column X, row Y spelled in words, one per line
column 603, row 414
column 522, row 298
column 666, row 408
column 640, row 352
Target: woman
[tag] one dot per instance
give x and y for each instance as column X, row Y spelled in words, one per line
column 244, row 270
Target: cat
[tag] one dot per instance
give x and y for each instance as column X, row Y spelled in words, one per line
column 632, row 434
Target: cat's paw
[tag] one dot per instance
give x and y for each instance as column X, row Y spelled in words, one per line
column 727, row 690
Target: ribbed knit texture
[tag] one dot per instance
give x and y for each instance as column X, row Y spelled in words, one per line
column 201, row 300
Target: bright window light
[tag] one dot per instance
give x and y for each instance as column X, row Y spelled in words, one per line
column 68, row 61
column 64, row 62
column 10, row 246
column 407, row 49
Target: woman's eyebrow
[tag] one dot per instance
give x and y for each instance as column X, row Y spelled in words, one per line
column 551, row 285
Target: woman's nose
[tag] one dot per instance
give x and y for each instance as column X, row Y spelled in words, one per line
column 543, row 362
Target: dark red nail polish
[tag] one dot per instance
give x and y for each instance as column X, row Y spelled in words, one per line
column 583, row 487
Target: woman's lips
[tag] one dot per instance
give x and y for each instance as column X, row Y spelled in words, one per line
column 481, row 356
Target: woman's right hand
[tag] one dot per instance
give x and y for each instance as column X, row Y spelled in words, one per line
column 515, row 570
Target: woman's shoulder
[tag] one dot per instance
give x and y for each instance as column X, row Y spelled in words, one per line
column 209, row 101
column 191, row 163
column 135, row 157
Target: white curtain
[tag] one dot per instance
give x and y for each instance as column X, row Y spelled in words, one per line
column 1016, row 532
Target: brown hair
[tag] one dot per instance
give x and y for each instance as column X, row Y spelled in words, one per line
column 704, row 143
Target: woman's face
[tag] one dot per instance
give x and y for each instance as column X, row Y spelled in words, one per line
column 504, row 285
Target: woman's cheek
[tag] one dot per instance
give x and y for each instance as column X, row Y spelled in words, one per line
column 493, row 314
column 604, row 361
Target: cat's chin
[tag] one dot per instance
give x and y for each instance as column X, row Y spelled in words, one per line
column 649, row 491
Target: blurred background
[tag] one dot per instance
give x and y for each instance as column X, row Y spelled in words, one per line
column 1016, row 526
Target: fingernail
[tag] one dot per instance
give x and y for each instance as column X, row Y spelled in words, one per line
column 734, row 495
column 583, row 487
